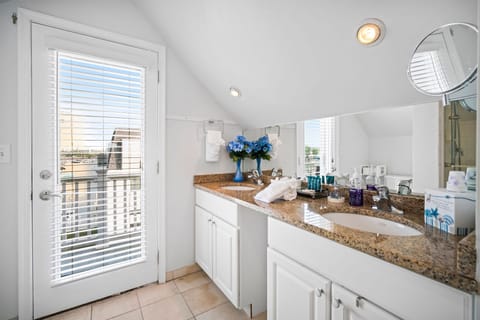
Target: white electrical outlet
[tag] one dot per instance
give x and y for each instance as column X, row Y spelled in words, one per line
column 4, row 153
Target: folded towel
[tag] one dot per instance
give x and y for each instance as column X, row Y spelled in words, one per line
column 275, row 142
column 285, row 188
column 213, row 143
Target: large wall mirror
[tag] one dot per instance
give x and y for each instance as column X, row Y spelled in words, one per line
column 421, row 142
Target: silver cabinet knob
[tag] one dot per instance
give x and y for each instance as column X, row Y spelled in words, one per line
column 337, row 303
column 319, row 292
column 46, row 195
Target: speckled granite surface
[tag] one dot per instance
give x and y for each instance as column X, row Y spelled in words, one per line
column 467, row 256
column 432, row 254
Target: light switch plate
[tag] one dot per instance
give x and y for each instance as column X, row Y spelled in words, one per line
column 4, row 153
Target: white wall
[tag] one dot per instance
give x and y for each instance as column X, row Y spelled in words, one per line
column 8, row 181
column 286, row 159
column 426, row 146
column 352, row 144
column 185, row 97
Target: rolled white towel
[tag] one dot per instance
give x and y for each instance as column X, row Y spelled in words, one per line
column 275, row 142
column 278, row 189
column 213, row 143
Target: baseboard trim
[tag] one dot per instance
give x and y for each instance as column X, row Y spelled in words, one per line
column 181, row 272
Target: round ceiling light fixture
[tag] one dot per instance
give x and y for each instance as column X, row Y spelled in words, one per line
column 371, row 32
column 235, row 92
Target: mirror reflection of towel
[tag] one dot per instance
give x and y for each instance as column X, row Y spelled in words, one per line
column 275, row 142
column 213, row 143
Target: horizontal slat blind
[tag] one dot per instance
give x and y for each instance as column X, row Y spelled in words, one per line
column 98, row 219
column 319, row 146
column 427, row 72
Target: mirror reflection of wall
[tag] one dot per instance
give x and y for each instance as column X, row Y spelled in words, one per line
column 286, row 150
column 413, row 142
column 406, row 140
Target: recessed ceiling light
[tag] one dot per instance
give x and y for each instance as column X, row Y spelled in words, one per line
column 371, row 32
column 234, row 92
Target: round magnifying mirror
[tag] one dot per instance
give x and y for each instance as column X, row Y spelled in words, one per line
column 445, row 60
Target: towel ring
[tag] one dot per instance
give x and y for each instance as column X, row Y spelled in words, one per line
column 271, row 128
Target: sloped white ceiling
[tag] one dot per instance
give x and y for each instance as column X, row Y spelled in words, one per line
column 387, row 122
column 299, row 59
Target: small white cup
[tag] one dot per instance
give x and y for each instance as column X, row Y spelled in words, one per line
column 456, row 181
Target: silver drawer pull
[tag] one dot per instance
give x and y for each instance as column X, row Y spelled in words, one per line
column 337, row 303
column 320, row 292
column 358, row 300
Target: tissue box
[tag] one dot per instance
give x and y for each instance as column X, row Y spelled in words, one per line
column 452, row 212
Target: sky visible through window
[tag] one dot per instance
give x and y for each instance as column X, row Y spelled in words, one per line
column 95, row 99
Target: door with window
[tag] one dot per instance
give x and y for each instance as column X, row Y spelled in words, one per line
column 95, row 129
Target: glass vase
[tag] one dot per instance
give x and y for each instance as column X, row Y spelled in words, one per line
column 259, row 164
column 238, row 174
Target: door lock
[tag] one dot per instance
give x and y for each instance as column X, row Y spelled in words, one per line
column 45, row 174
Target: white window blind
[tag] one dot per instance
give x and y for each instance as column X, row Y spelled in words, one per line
column 98, row 220
column 428, row 72
column 319, row 145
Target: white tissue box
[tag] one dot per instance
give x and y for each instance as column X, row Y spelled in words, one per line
column 452, row 212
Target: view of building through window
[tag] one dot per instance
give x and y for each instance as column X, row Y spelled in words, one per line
column 319, row 146
column 99, row 218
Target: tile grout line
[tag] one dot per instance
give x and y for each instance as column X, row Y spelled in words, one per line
column 188, row 307
column 221, row 304
column 139, row 305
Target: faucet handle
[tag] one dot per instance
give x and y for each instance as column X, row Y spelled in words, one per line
column 383, row 191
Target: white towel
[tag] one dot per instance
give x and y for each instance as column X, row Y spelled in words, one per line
column 213, row 143
column 285, row 188
column 275, row 142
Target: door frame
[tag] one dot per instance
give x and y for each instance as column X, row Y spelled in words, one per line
column 24, row 142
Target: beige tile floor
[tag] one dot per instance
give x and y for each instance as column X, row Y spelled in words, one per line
column 193, row 296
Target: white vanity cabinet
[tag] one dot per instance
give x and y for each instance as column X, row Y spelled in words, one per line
column 362, row 286
column 216, row 251
column 295, row 292
column 230, row 246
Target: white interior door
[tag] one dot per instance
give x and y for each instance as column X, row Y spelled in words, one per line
column 95, row 168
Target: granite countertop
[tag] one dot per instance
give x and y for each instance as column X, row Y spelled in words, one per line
column 433, row 254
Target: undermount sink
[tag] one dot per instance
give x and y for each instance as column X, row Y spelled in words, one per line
column 371, row 224
column 238, row 188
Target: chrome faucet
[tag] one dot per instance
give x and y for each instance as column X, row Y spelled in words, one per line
column 382, row 201
column 256, row 177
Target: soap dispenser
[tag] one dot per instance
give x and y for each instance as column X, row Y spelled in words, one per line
column 356, row 192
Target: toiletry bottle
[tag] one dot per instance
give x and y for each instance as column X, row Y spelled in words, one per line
column 356, row 192
column 370, row 179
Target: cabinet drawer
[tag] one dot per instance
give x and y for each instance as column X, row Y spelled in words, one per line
column 222, row 208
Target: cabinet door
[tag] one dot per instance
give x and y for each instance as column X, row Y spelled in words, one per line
column 225, row 259
column 347, row 305
column 295, row 292
column 203, row 240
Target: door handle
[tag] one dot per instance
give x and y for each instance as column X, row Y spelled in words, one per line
column 46, row 195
